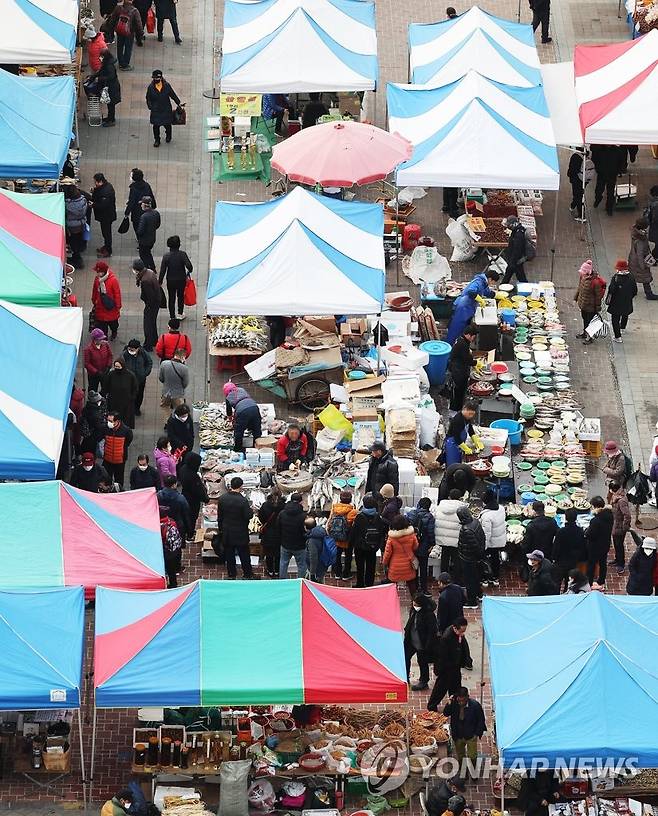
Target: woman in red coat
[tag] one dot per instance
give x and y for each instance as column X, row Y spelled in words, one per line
column 106, row 298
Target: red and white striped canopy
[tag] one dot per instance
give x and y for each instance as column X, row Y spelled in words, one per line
column 617, row 91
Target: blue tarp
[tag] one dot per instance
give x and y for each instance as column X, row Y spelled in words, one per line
column 35, row 386
column 36, row 123
column 574, row 677
column 41, row 641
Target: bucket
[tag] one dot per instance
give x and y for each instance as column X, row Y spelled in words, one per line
column 508, row 316
column 512, row 427
column 439, row 353
column 528, row 497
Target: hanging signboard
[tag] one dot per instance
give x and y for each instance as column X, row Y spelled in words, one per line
column 235, row 104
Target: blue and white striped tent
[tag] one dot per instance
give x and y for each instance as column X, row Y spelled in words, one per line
column 41, row 352
column 298, row 254
column 38, row 32
column 281, row 46
column 474, row 133
column 500, row 50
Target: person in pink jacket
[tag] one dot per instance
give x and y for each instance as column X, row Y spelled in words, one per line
column 165, row 461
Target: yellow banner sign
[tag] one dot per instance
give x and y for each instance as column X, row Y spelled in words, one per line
column 234, row 104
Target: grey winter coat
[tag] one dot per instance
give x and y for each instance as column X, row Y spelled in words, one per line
column 175, row 377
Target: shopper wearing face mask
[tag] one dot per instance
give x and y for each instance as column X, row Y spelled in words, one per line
column 140, row 364
column 180, row 429
column 88, row 475
column 121, row 389
column 118, row 437
column 144, row 474
column 165, row 461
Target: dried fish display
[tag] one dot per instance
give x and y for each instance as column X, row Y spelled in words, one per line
column 244, row 332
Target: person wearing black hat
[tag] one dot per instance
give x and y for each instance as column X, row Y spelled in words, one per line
column 382, row 469
column 515, row 254
column 420, row 637
column 159, row 96
column 140, row 363
column 150, row 290
column 138, row 189
column 147, row 230
column 459, row 365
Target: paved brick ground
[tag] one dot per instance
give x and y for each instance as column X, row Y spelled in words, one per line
column 180, row 175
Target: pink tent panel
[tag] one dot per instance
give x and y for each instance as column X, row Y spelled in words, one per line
column 32, row 229
column 617, row 90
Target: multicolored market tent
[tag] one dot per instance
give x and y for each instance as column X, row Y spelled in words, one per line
column 285, row 46
column 298, row 254
column 36, row 376
column 32, row 248
column 551, row 655
column 70, row 537
column 500, row 50
column 36, row 124
column 38, row 32
column 474, row 133
column 242, row 643
column 617, row 91
column 42, row 642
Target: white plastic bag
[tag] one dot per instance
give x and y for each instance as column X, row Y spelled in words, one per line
column 427, row 265
column 429, row 425
column 261, row 796
column 464, row 248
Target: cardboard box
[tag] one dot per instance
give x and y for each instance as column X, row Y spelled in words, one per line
column 357, row 326
column 324, row 323
column 365, row 414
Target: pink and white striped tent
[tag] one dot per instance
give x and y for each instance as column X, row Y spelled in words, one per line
column 617, row 91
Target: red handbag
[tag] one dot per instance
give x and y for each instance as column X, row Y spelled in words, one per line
column 150, row 20
column 189, row 295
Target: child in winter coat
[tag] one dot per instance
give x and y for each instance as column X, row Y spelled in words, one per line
column 339, row 522
column 400, row 554
column 315, row 536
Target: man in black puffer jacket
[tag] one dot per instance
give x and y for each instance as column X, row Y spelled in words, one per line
column 382, row 469
column 470, row 548
column 540, row 533
column 540, row 575
column 420, row 638
column 292, row 534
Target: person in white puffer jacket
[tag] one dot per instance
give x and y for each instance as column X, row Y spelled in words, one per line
column 447, row 529
column 493, row 523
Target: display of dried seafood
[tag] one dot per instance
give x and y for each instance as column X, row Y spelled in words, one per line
column 245, row 332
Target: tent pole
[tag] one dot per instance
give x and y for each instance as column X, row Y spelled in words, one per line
column 82, row 758
column 482, row 668
column 583, row 202
column 557, row 193
column 518, row 14
column 93, row 752
column 398, row 243
column 408, row 730
column 501, row 770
